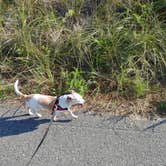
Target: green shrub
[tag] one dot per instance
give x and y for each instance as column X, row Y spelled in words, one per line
column 74, row 81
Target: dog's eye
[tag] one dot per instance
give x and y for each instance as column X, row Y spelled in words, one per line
column 69, row 98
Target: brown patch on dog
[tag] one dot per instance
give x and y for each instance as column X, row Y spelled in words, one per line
column 47, row 101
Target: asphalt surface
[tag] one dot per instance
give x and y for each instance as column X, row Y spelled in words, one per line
column 90, row 140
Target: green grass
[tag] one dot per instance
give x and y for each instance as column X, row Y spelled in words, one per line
column 161, row 108
column 59, row 46
column 5, row 89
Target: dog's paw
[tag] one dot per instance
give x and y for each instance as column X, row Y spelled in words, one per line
column 39, row 115
column 55, row 119
column 75, row 116
column 31, row 114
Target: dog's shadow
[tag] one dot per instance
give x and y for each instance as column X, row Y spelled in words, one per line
column 10, row 126
column 15, row 125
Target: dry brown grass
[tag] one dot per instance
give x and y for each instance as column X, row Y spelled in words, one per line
column 115, row 105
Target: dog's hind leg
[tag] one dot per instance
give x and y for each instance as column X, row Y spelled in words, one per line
column 30, row 112
column 34, row 112
column 39, row 115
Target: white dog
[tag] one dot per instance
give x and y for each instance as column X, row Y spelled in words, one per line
column 35, row 102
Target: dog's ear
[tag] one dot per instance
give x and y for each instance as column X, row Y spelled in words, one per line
column 72, row 91
column 69, row 92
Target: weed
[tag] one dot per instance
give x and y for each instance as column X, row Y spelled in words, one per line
column 161, row 107
column 74, row 81
column 122, row 41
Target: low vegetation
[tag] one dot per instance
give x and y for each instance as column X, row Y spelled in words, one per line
column 95, row 47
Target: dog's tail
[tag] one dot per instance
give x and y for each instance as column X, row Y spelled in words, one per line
column 17, row 90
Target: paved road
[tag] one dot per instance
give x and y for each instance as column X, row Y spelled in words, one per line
column 91, row 140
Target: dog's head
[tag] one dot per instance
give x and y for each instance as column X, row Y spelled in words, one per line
column 71, row 99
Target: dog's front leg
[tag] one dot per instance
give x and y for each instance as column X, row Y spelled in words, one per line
column 72, row 114
column 55, row 115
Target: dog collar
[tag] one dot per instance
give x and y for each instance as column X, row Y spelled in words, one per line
column 57, row 106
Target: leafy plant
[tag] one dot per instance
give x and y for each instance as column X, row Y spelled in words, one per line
column 74, row 81
column 161, row 107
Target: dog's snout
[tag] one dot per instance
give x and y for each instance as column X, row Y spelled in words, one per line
column 83, row 101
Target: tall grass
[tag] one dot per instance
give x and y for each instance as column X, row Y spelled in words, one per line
column 59, row 45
